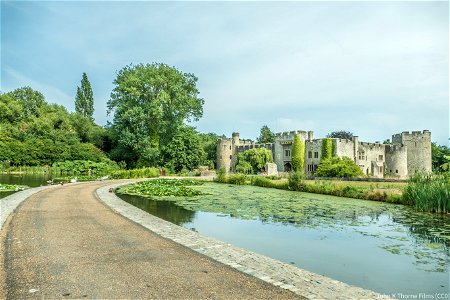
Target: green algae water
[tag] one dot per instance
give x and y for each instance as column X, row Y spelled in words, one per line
column 388, row 248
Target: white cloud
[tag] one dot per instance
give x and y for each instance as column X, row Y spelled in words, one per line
column 52, row 94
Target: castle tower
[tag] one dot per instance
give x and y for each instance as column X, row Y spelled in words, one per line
column 235, row 142
column 418, row 146
column 224, row 154
column 396, row 161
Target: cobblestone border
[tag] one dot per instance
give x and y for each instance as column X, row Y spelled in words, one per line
column 10, row 203
column 301, row 282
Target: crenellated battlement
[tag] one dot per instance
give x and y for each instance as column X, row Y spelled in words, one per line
column 408, row 134
column 395, row 148
column 290, row 134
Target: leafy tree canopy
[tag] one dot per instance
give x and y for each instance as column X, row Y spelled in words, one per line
column 33, row 132
column 440, row 157
column 253, row 160
column 209, row 145
column 338, row 167
column 266, row 136
column 184, row 150
column 341, row 135
column 150, row 103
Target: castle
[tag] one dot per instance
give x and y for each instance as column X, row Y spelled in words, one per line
column 407, row 154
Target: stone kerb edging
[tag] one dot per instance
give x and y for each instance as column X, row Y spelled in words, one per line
column 10, row 203
column 301, row 282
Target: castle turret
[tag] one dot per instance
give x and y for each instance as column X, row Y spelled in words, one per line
column 396, row 161
column 224, row 153
column 418, row 150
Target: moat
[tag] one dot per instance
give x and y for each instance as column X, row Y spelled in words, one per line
column 383, row 247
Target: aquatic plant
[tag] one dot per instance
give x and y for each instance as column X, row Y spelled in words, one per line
column 135, row 173
column 12, row 187
column 429, row 193
column 163, row 187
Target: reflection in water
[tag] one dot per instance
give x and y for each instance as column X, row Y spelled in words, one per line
column 31, row 180
column 163, row 209
column 384, row 247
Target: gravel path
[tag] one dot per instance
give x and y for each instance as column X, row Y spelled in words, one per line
column 64, row 243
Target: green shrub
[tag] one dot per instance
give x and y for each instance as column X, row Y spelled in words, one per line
column 221, row 175
column 261, row 181
column 429, row 193
column 296, row 181
column 237, row 179
column 84, row 167
column 135, row 173
column 338, row 167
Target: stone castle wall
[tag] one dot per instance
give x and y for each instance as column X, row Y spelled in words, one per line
column 313, row 155
column 408, row 153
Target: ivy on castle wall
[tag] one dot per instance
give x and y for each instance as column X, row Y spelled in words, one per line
column 327, row 149
column 253, row 160
column 298, row 154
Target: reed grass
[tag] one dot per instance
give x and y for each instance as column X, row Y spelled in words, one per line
column 430, row 193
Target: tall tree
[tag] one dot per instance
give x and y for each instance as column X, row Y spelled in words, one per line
column 298, row 154
column 151, row 102
column 341, row 135
column 265, row 135
column 84, row 100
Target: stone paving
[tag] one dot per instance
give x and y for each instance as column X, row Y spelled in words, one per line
column 302, row 282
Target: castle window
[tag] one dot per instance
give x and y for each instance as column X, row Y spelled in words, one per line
column 380, row 157
column 287, row 153
column 231, row 156
column 310, row 154
column 230, row 147
column 381, row 169
column 316, row 154
column 396, row 171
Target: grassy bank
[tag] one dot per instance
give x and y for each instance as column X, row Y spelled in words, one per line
column 378, row 191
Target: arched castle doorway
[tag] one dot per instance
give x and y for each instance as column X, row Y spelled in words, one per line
column 287, row 167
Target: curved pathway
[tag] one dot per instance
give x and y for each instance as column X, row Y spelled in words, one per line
column 64, row 243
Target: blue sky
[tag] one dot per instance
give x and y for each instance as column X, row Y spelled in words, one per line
column 372, row 68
